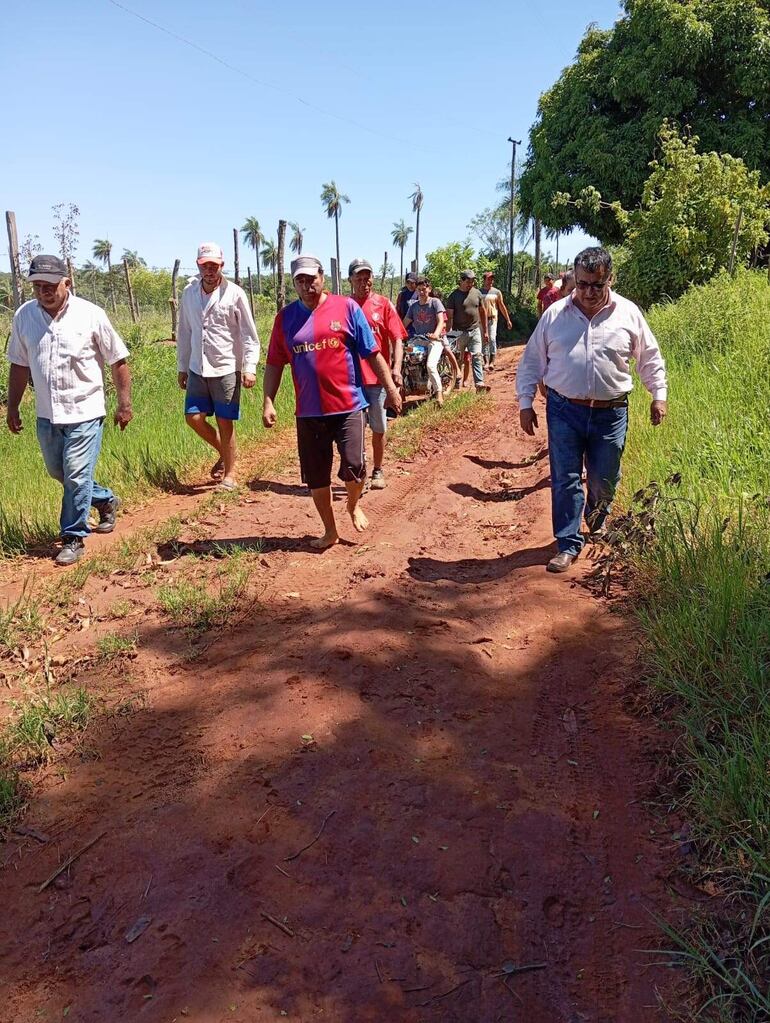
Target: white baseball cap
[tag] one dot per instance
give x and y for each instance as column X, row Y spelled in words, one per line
column 210, row 252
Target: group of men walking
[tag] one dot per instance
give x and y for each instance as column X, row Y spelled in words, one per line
column 345, row 356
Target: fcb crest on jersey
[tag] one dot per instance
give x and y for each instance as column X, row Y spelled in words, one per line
column 335, row 325
column 375, row 316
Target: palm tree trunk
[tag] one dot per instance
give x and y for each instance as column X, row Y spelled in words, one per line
column 112, row 286
column 337, row 240
column 259, row 276
column 538, row 233
column 402, row 266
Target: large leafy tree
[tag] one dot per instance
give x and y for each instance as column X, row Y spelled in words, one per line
column 400, row 236
column 444, row 264
column 700, row 63
column 333, row 200
column 252, row 235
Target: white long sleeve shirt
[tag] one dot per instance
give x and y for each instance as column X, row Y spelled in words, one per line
column 66, row 355
column 216, row 333
column 582, row 358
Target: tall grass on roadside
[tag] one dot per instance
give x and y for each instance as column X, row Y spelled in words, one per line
column 704, row 606
column 157, row 451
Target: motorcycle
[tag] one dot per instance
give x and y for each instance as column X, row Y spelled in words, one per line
column 414, row 368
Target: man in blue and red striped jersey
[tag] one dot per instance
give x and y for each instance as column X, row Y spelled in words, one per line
column 323, row 338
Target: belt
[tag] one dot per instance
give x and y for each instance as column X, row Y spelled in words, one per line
column 595, row 402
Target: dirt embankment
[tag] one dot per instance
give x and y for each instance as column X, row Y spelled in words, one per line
column 406, row 788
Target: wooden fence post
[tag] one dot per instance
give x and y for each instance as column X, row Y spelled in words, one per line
column 251, row 291
column 384, row 272
column 13, row 255
column 281, row 289
column 129, row 290
column 173, row 300
column 236, row 264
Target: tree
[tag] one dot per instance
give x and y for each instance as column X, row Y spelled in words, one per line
column 700, row 63
column 132, row 257
column 417, row 200
column 332, row 200
column 400, row 236
column 65, row 229
column 90, row 273
column 252, row 235
column 270, row 257
column 102, row 251
column 444, row 264
column 297, row 237
column 28, row 249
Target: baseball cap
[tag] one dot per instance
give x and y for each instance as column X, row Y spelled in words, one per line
column 549, row 277
column 411, row 277
column 210, row 252
column 47, row 268
column 359, row 264
column 310, row 265
column 467, row 275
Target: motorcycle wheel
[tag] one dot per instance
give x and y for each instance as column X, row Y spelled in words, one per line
column 446, row 374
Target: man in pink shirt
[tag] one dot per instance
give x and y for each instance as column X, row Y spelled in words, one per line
column 548, row 294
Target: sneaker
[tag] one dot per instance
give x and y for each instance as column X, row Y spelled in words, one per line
column 72, row 550
column 491, row 367
column 107, row 513
column 458, row 383
column 561, row 562
column 378, row 479
column 483, row 388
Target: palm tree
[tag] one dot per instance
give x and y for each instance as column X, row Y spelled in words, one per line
column 252, row 235
column 297, row 237
column 270, row 257
column 90, row 272
column 400, row 236
column 417, row 200
column 102, row 251
column 332, row 199
column 132, row 257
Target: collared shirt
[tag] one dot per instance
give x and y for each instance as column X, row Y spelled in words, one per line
column 66, row 356
column 216, row 334
column 582, row 358
column 386, row 326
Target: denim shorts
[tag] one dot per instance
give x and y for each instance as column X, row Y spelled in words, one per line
column 213, row 396
column 375, row 414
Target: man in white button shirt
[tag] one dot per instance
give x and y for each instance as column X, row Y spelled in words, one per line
column 217, row 351
column 63, row 342
column 581, row 349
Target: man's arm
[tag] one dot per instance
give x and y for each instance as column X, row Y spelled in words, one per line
column 503, row 309
column 450, row 317
column 530, row 372
column 484, row 320
column 384, row 379
column 270, row 387
column 652, row 370
column 440, row 325
column 121, row 378
column 17, row 385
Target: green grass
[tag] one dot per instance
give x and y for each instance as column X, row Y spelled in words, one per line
column 11, row 798
column 406, row 434
column 190, row 605
column 20, row 620
column 703, row 591
column 41, row 721
column 112, row 645
column 157, row 451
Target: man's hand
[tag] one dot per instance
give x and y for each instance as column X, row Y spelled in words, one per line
column 393, row 400
column 123, row 416
column 528, row 420
column 509, row 324
column 13, row 419
column 182, row 380
column 268, row 414
column 658, row 411
column 398, row 380
column 248, row 379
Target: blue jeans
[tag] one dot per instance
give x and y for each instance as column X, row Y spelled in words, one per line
column 490, row 346
column 70, row 452
column 579, row 435
column 470, row 340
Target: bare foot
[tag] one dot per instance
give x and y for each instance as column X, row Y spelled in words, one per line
column 358, row 519
column 322, row 542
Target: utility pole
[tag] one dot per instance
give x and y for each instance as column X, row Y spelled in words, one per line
column 514, row 143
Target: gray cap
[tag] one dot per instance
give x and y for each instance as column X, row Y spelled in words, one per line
column 411, row 277
column 359, row 264
column 467, row 275
column 310, row 265
column 47, row 268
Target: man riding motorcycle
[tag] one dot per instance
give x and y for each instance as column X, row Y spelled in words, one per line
column 427, row 318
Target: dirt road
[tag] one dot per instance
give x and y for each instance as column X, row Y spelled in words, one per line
column 407, row 789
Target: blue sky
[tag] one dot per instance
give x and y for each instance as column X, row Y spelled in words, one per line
column 162, row 146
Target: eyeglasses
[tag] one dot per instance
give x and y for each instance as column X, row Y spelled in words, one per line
column 595, row 286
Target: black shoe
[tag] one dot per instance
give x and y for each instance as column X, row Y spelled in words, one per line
column 107, row 512
column 561, row 562
column 72, row 550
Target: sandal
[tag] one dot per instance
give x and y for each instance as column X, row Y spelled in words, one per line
column 228, row 485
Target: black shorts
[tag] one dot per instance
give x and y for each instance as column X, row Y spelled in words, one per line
column 316, row 437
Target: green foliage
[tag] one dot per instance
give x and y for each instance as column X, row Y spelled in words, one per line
column 444, row 264
column 683, row 233
column 701, row 63
column 42, row 720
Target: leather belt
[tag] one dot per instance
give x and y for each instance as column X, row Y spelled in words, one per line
column 594, row 402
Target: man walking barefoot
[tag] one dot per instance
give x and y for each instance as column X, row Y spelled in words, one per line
column 217, row 351
column 323, row 337
column 63, row 343
column 581, row 349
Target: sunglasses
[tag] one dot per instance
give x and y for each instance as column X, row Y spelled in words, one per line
column 594, row 286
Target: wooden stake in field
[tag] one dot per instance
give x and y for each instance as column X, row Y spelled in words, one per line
column 236, row 263
column 335, row 277
column 130, row 291
column 13, row 255
column 251, row 291
column 736, row 233
column 280, row 298
column 173, row 300
column 384, row 271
